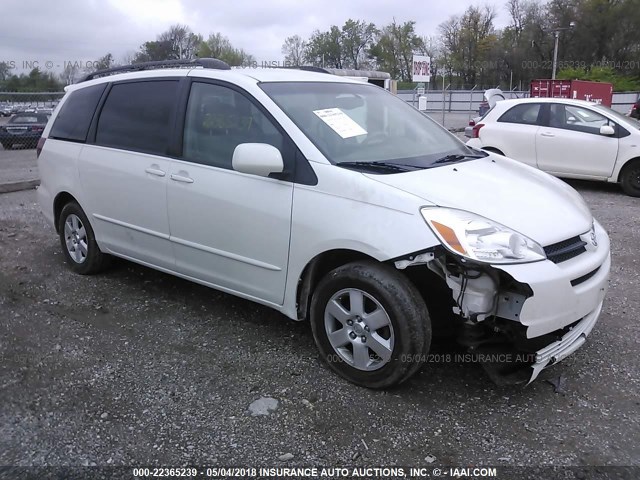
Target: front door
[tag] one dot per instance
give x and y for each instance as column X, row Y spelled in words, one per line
column 571, row 143
column 228, row 228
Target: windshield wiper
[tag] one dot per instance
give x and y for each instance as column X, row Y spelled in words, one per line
column 457, row 157
column 395, row 167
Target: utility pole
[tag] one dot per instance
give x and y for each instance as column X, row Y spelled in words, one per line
column 556, row 34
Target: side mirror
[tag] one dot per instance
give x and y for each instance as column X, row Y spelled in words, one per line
column 259, row 159
column 607, row 130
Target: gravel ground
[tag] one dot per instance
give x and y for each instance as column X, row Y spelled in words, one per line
column 137, row 367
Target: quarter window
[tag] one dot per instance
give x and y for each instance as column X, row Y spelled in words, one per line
column 138, row 116
column 74, row 118
column 218, row 120
column 526, row 113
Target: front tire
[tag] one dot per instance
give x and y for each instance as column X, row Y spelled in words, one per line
column 370, row 324
column 7, row 145
column 79, row 242
column 630, row 178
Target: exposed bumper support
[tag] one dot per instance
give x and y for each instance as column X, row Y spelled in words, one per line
column 568, row 344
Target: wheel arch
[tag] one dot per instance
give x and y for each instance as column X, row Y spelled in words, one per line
column 625, row 165
column 434, row 290
column 61, row 199
column 316, row 269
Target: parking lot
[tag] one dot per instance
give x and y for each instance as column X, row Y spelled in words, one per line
column 137, row 367
column 17, row 165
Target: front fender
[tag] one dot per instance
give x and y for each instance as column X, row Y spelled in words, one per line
column 351, row 212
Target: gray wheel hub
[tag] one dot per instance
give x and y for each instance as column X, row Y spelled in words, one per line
column 359, row 329
column 75, row 236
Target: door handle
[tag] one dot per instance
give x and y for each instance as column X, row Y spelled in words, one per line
column 547, row 134
column 155, row 171
column 180, row 178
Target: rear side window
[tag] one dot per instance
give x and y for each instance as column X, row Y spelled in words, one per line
column 74, row 118
column 138, row 116
column 526, row 113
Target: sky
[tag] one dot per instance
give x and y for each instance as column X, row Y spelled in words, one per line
column 53, row 33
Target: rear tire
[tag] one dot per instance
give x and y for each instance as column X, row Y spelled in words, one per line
column 630, row 178
column 79, row 242
column 370, row 324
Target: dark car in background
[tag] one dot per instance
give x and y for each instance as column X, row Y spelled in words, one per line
column 24, row 129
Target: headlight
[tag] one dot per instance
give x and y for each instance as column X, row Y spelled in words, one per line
column 480, row 239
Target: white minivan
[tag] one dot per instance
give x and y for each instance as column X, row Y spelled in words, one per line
column 331, row 201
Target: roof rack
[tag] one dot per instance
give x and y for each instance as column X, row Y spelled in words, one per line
column 213, row 63
column 306, row 68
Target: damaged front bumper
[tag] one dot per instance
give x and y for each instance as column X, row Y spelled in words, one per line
column 567, row 293
column 545, row 309
column 568, row 344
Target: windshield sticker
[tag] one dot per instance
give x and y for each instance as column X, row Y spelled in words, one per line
column 340, row 122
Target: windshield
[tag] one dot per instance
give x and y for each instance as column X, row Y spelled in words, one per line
column 618, row 116
column 359, row 124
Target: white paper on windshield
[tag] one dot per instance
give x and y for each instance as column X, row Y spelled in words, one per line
column 340, row 122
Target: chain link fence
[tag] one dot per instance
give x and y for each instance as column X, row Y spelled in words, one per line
column 14, row 102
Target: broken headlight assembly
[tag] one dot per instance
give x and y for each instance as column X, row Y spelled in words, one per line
column 477, row 238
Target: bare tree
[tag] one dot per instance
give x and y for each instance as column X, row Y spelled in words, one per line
column 70, row 74
column 470, row 40
column 218, row 46
column 183, row 42
column 179, row 42
column 294, row 50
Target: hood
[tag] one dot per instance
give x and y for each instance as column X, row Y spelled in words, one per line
column 523, row 198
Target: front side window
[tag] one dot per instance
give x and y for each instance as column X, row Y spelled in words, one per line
column 138, row 116
column 617, row 116
column 526, row 114
column 571, row 117
column 363, row 126
column 218, row 120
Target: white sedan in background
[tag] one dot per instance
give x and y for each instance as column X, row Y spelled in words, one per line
column 566, row 138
